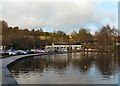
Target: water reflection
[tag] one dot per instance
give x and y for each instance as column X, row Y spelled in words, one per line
column 102, row 65
column 107, row 64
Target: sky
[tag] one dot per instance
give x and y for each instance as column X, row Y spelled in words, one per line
column 65, row 15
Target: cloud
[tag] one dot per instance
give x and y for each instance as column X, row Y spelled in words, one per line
column 57, row 15
column 0, row 11
column 77, row 1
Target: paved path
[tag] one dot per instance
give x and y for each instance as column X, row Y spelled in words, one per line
column 0, row 72
column 7, row 77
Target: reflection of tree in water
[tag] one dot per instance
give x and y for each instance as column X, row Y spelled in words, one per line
column 57, row 62
column 106, row 64
column 23, row 66
column 83, row 62
column 60, row 63
column 41, row 63
column 118, row 54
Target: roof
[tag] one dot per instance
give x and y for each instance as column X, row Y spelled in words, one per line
column 66, row 43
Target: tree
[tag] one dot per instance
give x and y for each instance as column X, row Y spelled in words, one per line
column 84, row 36
column 105, row 37
column 73, row 37
column 4, row 27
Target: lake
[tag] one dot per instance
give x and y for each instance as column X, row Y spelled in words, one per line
column 69, row 68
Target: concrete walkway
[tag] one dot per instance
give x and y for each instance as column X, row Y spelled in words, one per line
column 7, row 77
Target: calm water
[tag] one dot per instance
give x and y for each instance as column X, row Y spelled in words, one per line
column 72, row 68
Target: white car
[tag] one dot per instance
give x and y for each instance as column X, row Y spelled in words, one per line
column 42, row 51
column 11, row 52
column 21, row 52
column 63, row 50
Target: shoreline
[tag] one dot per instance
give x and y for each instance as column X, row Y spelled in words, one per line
column 7, row 77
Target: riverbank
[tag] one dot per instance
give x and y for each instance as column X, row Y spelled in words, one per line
column 7, row 77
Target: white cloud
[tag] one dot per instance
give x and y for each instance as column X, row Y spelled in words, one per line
column 54, row 14
column 0, row 11
column 77, row 1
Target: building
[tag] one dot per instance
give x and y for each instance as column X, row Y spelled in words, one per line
column 67, row 46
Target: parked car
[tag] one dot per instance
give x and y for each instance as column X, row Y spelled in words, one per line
column 50, row 51
column 46, row 51
column 56, row 50
column 65, row 50
column 29, row 52
column 32, row 50
column 2, row 52
column 37, row 51
column 9, row 52
column 42, row 51
column 21, row 52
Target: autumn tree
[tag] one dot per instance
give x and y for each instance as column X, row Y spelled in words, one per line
column 59, row 36
column 105, row 38
column 73, row 37
column 4, row 27
column 84, row 36
column 26, row 39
